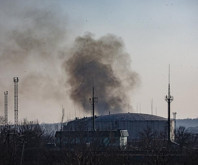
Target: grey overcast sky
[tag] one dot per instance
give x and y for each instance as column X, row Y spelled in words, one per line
column 36, row 35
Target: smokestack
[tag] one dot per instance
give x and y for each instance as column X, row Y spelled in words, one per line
column 6, row 107
column 16, row 80
column 169, row 99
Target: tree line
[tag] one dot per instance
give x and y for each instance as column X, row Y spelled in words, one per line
column 29, row 144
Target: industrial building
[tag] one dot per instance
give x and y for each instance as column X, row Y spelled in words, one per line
column 134, row 123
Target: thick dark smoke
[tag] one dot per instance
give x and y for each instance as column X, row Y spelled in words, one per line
column 103, row 64
column 34, row 44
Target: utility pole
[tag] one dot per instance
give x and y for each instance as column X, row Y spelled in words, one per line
column 16, row 80
column 93, row 101
column 169, row 99
column 6, row 107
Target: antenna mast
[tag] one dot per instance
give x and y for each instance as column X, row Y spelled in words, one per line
column 6, row 107
column 16, row 80
column 169, row 99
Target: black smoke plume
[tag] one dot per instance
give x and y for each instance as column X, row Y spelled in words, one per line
column 35, row 40
column 104, row 64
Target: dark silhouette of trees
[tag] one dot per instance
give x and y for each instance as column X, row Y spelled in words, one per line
column 22, row 143
column 182, row 137
column 28, row 144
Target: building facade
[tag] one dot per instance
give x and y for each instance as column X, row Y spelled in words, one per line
column 133, row 122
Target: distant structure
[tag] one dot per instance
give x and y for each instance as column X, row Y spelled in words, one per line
column 6, row 107
column 133, row 122
column 169, row 99
column 140, row 108
column 16, row 80
column 151, row 106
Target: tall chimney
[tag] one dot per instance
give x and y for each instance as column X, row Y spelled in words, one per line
column 6, row 107
column 16, row 80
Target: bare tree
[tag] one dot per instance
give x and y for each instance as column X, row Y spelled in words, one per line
column 182, row 137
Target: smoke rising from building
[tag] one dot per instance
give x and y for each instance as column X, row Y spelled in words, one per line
column 104, row 64
column 34, row 46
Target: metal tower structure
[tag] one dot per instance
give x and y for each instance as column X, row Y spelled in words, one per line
column 93, row 101
column 16, row 80
column 169, row 99
column 6, row 107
